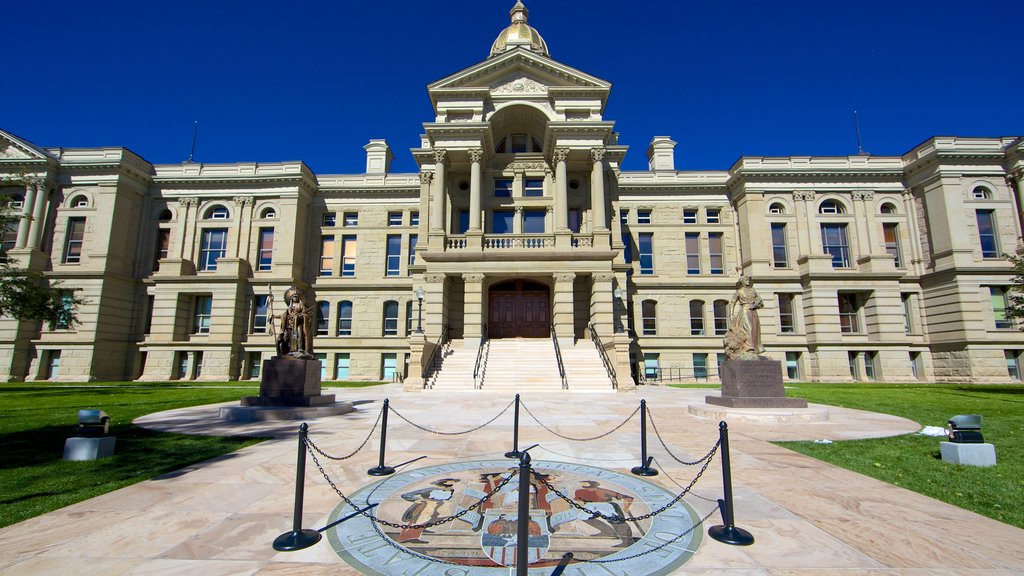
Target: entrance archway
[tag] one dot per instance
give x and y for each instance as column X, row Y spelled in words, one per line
column 519, row 308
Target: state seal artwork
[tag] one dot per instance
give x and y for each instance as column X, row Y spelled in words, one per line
column 483, row 539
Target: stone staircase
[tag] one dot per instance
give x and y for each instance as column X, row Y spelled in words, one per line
column 454, row 368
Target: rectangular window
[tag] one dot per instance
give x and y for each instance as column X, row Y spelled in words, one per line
column 646, row 249
column 202, row 315
column 330, row 219
column 696, row 318
column 689, row 216
column 503, row 188
column 891, row 235
column 389, row 365
column 854, row 359
column 341, row 364
column 574, row 220
column 413, row 240
column 833, row 241
column 849, row 311
column 255, row 363
column 259, row 314
column 700, row 366
column 501, row 221
column 533, row 221
column 163, row 246
column 323, row 317
column 999, row 303
column 627, row 247
column 1012, row 364
column 351, row 219
column 793, row 365
column 692, row 253
column 74, row 240
column 182, row 365
column 717, row 256
column 408, row 318
column 651, row 370
column 197, row 365
column 461, row 222
column 391, row 318
column 52, row 364
column 394, row 255
column 787, row 323
column 322, row 359
column 345, row 318
column 67, row 305
column 780, row 256
column 714, row 216
column 148, row 325
column 915, row 365
column 649, row 317
column 348, row 256
column 533, row 188
column 414, row 218
column 214, row 247
column 987, row 233
column 624, row 216
column 908, row 325
column 327, row 255
column 266, row 257
column 871, row 365
column 721, row 311
column 643, row 216
column 394, row 218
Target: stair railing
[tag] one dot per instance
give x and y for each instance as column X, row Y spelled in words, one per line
column 558, row 357
column 442, row 339
column 608, row 366
column 480, row 368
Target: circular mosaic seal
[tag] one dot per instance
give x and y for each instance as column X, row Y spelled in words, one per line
column 482, row 542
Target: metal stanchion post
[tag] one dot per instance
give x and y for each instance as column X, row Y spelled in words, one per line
column 644, row 469
column 298, row 538
column 566, row 558
column 728, row 533
column 515, row 453
column 523, row 520
column 381, row 469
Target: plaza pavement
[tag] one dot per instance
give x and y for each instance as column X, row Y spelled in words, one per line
column 219, row 517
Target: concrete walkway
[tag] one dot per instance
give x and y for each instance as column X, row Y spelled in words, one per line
column 810, row 518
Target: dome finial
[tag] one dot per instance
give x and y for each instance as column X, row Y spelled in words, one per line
column 519, row 13
column 519, row 34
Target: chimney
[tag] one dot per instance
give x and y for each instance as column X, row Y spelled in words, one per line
column 378, row 157
column 660, row 155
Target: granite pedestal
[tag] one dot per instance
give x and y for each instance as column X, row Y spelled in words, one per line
column 981, row 454
column 753, row 384
column 289, row 390
column 83, row 448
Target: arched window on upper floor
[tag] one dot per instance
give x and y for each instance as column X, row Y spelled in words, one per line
column 696, row 317
column 391, row 318
column 649, row 317
column 345, row 318
column 217, row 212
column 268, row 213
column 518, row 143
column 776, row 208
column 17, row 202
column 165, row 215
column 721, row 311
column 887, row 208
column 323, row 314
column 80, row 201
column 981, row 193
column 831, row 207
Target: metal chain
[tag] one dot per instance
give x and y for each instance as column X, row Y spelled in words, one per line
column 570, row 438
column 361, row 446
column 431, row 431
column 680, row 486
column 437, row 522
column 658, row 547
column 617, row 519
column 650, row 418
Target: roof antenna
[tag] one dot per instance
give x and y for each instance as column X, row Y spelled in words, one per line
column 856, row 122
column 192, row 153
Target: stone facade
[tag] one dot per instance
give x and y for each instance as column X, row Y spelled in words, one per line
column 870, row 267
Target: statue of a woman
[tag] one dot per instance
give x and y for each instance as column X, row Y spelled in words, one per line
column 743, row 340
column 296, row 336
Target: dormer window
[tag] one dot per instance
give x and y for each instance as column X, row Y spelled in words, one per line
column 517, row 143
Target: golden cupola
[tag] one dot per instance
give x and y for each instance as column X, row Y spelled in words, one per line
column 519, row 33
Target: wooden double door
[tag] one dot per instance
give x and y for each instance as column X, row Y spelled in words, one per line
column 520, row 309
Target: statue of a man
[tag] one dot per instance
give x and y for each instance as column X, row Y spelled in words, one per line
column 296, row 336
column 743, row 340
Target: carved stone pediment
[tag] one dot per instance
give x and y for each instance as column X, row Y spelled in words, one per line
column 523, row 84
column 14, row 148
column 8, row 151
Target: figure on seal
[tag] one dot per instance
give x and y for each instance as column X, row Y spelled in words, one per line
column 743, row 340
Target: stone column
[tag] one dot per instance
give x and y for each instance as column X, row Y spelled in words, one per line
column 562, row 309
column 26, row 215
column 864, row 219
column 186, row 235
column 39, row 214
column 475, row 156
column 602, row 304
column 803, row 203
column 240, row 233
column 437, row 213
column 435, row 312
column 517, row 221
column 913, row 231
column 1016, row 183
column 561, row 157
column 597, row 194
column 473, row 311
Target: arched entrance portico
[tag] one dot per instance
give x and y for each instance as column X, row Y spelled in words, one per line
column 519, row 308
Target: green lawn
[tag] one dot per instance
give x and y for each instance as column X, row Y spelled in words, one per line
column 912, row 461
column 36, row 418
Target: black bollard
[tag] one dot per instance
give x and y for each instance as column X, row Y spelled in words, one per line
column 298, row 538
column 515, row 453
column 381, row 469
column 644, row 469
column 566, row 558
column 728, row 533
column 523, row 526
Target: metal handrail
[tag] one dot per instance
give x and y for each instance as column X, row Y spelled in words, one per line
column 558, row 357
column 481, row 357
column 608, row 366
column 442, row 338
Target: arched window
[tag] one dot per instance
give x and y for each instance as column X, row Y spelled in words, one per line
column 981, row 193
column 517, row 143
column 696, row 317
column 391, row 318
column 345, row 318
column 165, row 215
column 217, row 212
column 17, row 202
column 831, row 207
column 777, row 208
column 721, row 310
column 79, row 201
column 888, row 208
column 268, row 213
column 323, row 314
column 649, row 315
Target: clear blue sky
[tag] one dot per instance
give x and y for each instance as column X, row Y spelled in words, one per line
column 274, row 81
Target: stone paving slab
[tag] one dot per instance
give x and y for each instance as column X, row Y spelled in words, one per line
column 220, row 516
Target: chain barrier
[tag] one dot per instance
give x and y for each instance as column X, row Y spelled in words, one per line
column 674, row 539
column 618, row 519
column 650, row 418
column 432, row 431
column 361, row 446
column 680, row 486
column 570, row 438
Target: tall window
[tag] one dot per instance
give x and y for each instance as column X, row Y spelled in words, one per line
column 341, row 364
column 696, row 318
column 259, row 314
column 461, row 222
column 73, row 242
column 717, row 256
column 266, row 257
column 388, row 366
column 163, row 246
column 254, row 360
column 8, row 236
column 52, row 364
column 793, row 365
column 780, row 256
column 213, row 248
column 348, row 256
column 350, row 219
column 849, row 311
column 394, row 255
column 692, row 253
column 503, row 188
column 202, row 314
column 871, row 371
column 854, row 359
column 345, row 318
column 651, row 369
column 501, row 221
column 414, row 218
column 533, row 221
column 916, row 366
column 413, row 239
column 1012, row 364
column 721, row 311
column 833, row 240
column 891, row 235
column 327, row 255
column 408, row 318
column 649, row 313
column 148, row 324
column 700, row 366
column 987, row 233
column 323, row 315
column 908, row 325
column 391, row 318
column 533, row 187
column 787, row 323
column 646, row 249
column 999, row 302
column 67, row 304
column 574, row 220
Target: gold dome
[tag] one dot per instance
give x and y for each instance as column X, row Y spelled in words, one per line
column 519, row 34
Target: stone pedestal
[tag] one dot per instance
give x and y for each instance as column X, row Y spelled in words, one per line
column 289, row 382
column 80, row 449
column 753, row 384
column 968, row 454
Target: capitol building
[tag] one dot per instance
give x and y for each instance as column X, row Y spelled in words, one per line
column 521, row 255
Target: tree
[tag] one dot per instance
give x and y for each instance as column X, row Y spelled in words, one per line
column 29, row 295
column 1015, row 294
